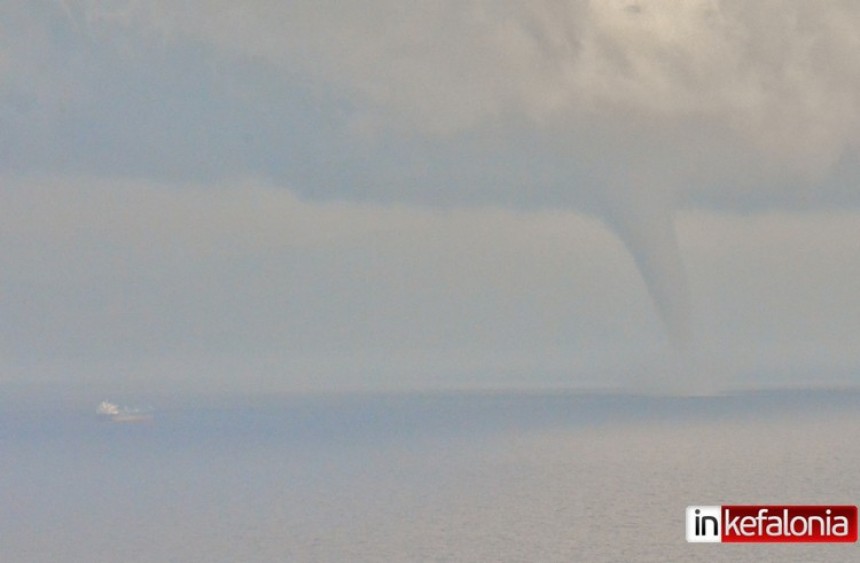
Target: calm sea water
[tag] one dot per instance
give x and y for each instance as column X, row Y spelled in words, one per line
column 439, row 477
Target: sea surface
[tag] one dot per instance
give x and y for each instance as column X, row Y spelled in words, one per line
column 419, row 477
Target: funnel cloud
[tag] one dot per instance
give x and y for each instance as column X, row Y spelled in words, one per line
column 644, row 220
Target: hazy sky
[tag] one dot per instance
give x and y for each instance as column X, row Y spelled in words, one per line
column 241, row 196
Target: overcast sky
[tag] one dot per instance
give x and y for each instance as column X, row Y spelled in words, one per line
column 259, row 196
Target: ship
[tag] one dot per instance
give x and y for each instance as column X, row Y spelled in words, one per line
column 122, row 415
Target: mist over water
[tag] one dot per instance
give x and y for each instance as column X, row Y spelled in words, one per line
column 462, row 477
